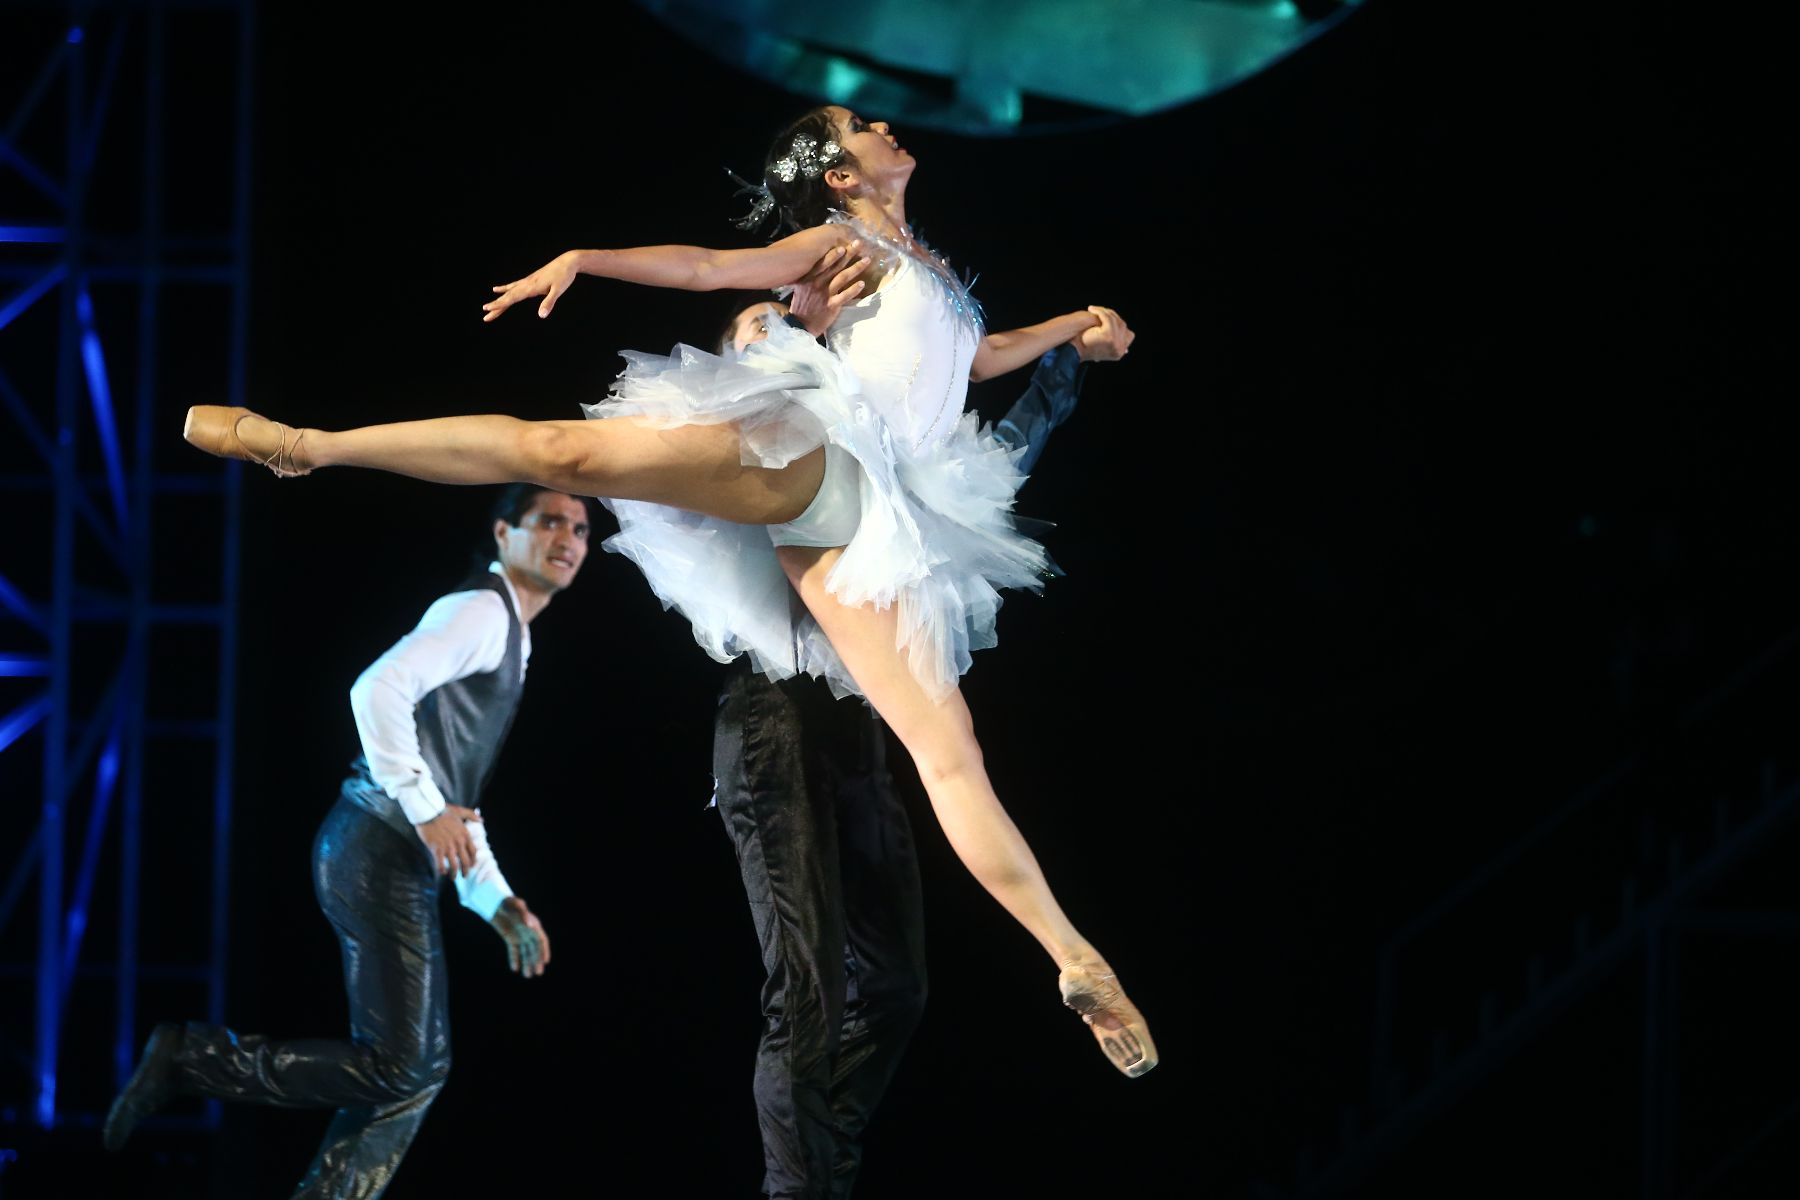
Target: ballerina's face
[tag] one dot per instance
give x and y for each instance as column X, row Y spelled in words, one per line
column 878, row 153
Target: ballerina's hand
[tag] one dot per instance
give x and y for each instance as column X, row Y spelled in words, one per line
column 820, row 295
column 549, row 281
column 1108, row 341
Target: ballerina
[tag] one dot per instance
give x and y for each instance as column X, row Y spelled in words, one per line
column 888, row 511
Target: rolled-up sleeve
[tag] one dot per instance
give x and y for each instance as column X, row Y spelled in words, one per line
column 484, row 886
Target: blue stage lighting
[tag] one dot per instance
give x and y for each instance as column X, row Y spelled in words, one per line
column 93, row 359
column 17, row 723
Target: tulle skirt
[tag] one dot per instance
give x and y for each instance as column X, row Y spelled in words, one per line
column 935, row 537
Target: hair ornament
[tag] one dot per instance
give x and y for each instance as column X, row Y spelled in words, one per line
column 806, row 157
column 762, row 201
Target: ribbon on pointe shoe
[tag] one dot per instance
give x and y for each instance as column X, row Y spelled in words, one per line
column 214, row 429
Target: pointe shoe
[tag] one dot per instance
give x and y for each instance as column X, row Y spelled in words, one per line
column 1092, row 990
column 150, row 1087
column 214, row 429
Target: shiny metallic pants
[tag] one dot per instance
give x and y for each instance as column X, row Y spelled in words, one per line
column 380, row 894
column 827, row 856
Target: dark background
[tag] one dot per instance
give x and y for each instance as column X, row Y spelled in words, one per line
column 1444, row 477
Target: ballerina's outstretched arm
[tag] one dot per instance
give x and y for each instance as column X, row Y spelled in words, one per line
column 699, row 269
column 690, row 268
column 1011, row 349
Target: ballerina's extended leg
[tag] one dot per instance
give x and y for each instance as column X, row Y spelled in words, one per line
column 696, row 467
column 940, row 736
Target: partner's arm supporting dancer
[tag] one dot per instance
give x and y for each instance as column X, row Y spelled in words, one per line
column 902, row 592
column 403, row 820
column 824, row 844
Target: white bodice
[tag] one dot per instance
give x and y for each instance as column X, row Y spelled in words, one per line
column 911, row 345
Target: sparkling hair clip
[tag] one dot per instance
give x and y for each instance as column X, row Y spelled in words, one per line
column 806, row 157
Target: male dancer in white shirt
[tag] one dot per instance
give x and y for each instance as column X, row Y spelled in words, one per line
column 431, row 714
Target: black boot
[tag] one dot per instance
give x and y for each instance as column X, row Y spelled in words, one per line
column 151, row 1086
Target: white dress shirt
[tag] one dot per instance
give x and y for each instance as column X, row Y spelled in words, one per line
column 460, row 635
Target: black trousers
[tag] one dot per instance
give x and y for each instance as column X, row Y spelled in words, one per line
column 381, row 895
column 832, row 877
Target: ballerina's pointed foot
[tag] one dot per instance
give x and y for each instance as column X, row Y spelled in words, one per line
column 221, row 431
column 1092, row 990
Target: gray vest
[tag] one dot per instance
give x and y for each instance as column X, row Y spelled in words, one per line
column 462, row 726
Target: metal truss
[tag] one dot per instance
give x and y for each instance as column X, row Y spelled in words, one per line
column 124, row 247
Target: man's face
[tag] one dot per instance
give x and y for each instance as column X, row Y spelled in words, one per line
column 752, row 325
column 549, row 544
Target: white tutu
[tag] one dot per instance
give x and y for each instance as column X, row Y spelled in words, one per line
column 935, row 538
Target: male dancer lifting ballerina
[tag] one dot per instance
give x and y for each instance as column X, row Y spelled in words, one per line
column 823, row 841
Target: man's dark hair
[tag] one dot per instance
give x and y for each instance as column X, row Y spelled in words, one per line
column 739, row 301
column 510, row 505
column 516, row 499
